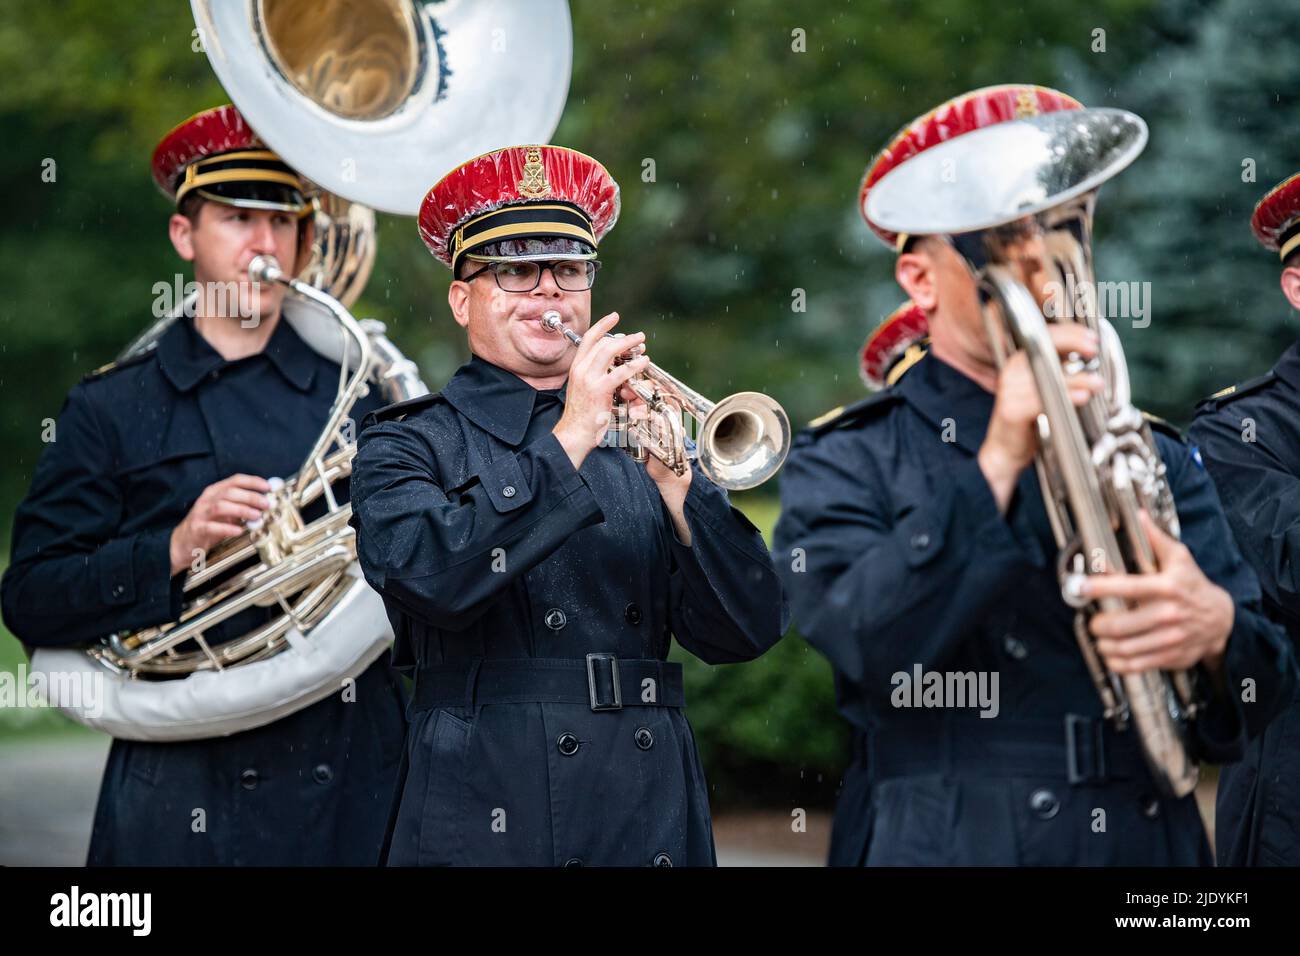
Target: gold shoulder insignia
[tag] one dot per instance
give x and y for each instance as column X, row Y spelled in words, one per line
column 116, row 364
column 822, row 419
column 1161, row 425
column 1234, row 392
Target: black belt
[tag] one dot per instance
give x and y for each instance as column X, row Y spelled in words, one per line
column 1079, row 749
column 602, row 681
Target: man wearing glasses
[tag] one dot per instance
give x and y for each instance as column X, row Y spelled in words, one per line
column 533, row 575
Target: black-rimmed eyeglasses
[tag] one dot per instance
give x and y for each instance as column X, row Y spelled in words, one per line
column 571, row 275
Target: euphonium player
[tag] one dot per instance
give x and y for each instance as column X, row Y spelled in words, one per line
column 918, row 555
column 157, row 459
column 1247, row 434
column 534, row 575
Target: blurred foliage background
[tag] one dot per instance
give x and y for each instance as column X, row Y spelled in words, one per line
column 758, row 151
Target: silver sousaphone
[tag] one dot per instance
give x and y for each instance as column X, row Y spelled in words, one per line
column 1023, row 192
column 372, row 101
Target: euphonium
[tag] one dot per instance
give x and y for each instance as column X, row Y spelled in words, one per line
column 1025, row 193
column 369, row 100
column 174, row 681
column 742, row 439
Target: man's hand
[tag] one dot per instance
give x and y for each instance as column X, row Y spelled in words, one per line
column 672, row 489
column 1012, row 438
column 593, row 380
column 221, row 512
column 1178, row 616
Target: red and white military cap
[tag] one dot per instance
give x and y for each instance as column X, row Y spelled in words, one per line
column 525, row 201
column 962, row 114
column 1276, row 220
column 894, row 346
column 216, row 154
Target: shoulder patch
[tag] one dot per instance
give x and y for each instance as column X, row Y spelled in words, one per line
column 113, row 366
column 849, row 414
column 399, row 410
column 1225, row 395
column 1158, row 424
column 825, row 417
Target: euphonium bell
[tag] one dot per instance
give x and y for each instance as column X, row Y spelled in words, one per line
column 742, row 440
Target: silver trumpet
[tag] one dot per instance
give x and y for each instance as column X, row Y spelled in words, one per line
column 741, row 442
column 1022, row 206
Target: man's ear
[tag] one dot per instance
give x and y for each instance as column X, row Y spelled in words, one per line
column 1291, row 286
column 181, row 232
column 458, row 294
column 915, row 273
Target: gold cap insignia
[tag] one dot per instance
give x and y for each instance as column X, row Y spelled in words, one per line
column 534, row 184
column 1026, row 104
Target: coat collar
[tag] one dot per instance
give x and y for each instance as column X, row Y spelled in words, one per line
column 943, row 395
column 496, row 400
column 1288, row 366
column 186, row 356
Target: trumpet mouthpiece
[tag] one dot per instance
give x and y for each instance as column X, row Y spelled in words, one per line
column 551, row 320
column 264, row 269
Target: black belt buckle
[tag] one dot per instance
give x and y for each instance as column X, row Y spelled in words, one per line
column 1095, row 771
column 599, row 702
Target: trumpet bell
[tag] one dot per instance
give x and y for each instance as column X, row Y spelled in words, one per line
column 743, row 440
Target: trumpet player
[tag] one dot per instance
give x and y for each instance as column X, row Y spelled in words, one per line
column 918, row 553
column 156, row 459
column 535, row 576
column 1246, row 434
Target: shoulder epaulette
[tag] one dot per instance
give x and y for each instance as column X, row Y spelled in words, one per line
column 399, row 410
column 1233, row 392
column 848, row 414
column 113, row 366
column 1158, row 424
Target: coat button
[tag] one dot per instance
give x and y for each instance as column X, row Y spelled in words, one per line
column 248, row 779
column 555, row 619
column 1150, row 806
column 662, row 859
column 322, row 774
column 567, row 744
column 632, row 613
column 508, row 491
column 1044, row 804
column 920, row 541
column 573, row 862
column 1014, row 647
column 644, row 739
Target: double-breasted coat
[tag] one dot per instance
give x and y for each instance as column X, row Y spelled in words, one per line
column 536, row 603
column 900, row 565
column 1250, row 441
column 133, row 448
